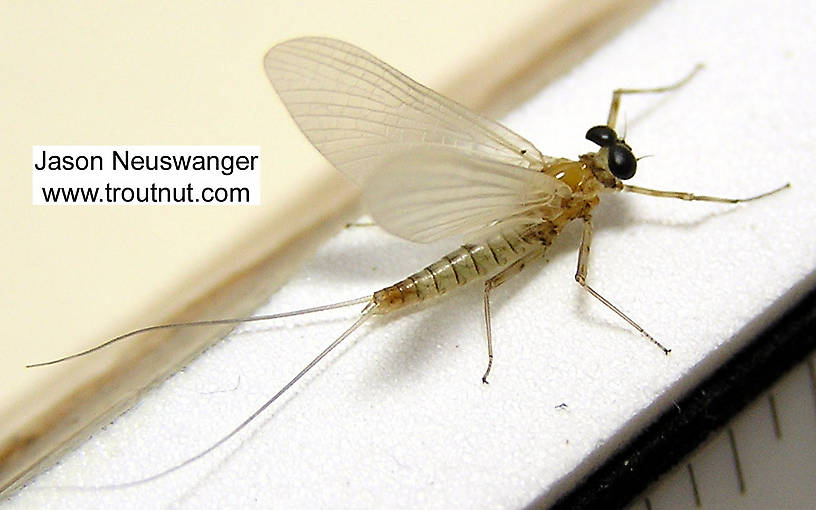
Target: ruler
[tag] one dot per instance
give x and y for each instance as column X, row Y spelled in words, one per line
column 744, row 438
column 763, row 458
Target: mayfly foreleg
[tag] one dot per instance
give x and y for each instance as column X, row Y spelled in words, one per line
column 682, row 195
column 618, row 93
column 490, row 284
column 581, row 278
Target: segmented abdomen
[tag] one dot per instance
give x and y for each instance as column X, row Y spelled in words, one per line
column 470, row 262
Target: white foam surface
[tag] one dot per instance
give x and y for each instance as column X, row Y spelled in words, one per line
column 399, row 418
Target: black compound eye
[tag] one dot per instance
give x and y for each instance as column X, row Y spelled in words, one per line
column 604, row 136
column 622, row 162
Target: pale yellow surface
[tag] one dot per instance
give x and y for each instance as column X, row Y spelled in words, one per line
column 189, row 73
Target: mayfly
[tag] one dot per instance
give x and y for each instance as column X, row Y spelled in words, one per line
column 429, row 168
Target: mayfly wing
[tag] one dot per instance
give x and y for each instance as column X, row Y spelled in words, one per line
column 433, row 193
column 375, row 125
column 357, row 110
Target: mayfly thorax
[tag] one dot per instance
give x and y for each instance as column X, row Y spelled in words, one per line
column 429, row 168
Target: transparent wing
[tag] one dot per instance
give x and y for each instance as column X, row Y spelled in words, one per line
column 358, row 111
column 429, row 193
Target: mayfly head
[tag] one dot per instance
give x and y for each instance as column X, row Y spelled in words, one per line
column 615, row 156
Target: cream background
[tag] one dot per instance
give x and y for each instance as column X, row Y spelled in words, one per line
column 186, row 73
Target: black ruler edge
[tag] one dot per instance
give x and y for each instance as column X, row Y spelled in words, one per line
column 702, row 411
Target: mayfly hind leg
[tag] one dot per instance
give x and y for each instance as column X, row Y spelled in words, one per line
column 618, row 93
column 490, row 284
column 581, row 278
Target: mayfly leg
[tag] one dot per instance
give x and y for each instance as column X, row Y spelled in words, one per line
column 682, row 195
column 612, row 119
column 581, row 278
column 491, row 284
column 618, row 93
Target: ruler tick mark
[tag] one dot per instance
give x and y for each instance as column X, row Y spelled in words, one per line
column 733, row 442
column 694, row 488
column 775, row 416
column 812, row 373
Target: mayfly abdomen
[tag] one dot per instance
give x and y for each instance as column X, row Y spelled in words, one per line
column 466, row 264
